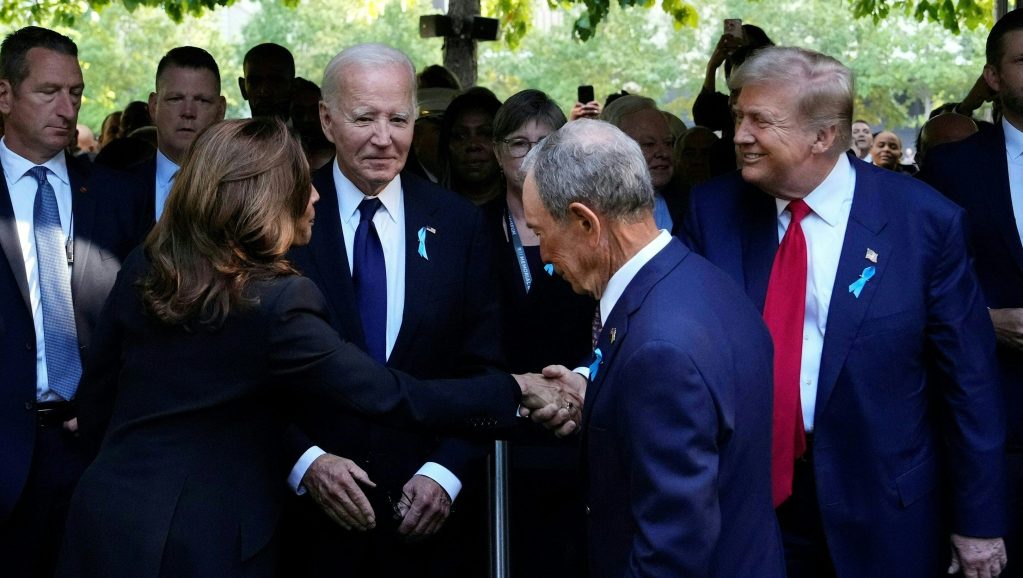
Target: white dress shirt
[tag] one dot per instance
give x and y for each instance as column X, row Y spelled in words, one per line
column 22, row 187
column 824, row 229
column 621, row 278
column 166, row 170
column 390, row 224
column 1014, row 158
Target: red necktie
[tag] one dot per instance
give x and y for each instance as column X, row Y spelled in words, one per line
column 784, row 311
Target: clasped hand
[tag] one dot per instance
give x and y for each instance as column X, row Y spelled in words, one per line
column 553, row 398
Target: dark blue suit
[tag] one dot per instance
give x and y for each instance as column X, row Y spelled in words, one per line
column 906, row 366
column 106, row 213
column 676, row 430
column 974, row 174
column 450, row 323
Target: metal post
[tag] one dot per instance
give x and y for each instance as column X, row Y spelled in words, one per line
column 499, row 540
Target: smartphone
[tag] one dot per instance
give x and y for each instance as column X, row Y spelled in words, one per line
column 733, row 26
column 584, row 94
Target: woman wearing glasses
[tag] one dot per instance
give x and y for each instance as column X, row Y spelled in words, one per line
column 545, row 323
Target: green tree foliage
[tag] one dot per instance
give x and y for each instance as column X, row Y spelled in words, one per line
column 897, row 62
column 119, row 51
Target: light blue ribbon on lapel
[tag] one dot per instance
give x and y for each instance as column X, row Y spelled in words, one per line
column 549, row 267
column 422, row 243
column 597, row 358
column 858, row 285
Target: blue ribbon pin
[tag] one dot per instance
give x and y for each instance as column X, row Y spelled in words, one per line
column 422, row 243
column 597, row 358
column 858, row 285
column 549, row 267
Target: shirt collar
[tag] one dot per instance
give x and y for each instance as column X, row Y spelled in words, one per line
column 827, row 199
column 349, row 196
column 623, row 276
column 1013, row 139
column 166, row 169
column 15, row 166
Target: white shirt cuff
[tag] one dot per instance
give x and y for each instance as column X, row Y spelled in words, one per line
column 300, row 467
column 443, row 476
column 583, row 371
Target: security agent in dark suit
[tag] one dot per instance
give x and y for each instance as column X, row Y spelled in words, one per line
column 888, row 431
column 984, row 175
column 676, row 425
column 409, row 280
column 186, row 101
column 65, row 227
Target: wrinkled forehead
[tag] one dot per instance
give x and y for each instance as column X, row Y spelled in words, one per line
column 385, row 84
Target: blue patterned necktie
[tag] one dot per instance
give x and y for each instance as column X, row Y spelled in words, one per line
column 63, row 364
column 370, row 279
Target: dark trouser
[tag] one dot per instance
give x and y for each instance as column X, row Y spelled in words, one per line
column 802, row 531
column 30, row 539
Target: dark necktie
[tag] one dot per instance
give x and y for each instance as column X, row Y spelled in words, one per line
column 784, row 311
column 370, row 278
column 595, row 328
column 63, row 364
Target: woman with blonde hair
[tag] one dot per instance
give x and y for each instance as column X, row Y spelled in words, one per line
column 208, row 336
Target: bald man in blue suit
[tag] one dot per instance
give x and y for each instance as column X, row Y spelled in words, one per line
column 676, row 421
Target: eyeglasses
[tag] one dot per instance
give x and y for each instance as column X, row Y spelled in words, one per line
column 400, row 507
column 518, row 147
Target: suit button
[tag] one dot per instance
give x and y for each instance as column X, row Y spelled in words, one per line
column 29, row 345
column 587, row 510
column 30, row 405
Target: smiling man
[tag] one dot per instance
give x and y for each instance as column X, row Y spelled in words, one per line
column 888, row 424
column 405, row 267
column 187, row 100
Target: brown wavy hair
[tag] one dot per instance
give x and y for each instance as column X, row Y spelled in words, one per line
column 229, row 220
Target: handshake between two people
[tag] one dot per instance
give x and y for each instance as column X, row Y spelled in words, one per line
column 553, row 398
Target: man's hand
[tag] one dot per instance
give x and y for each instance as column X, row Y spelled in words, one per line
column 333, row 482
column 425, row 510
column 977, row 557
column 554, row 398
column 585, row 110
column 1008, row 326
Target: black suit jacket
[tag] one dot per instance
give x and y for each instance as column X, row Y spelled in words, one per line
column 145, row 172
column 450, row 322
column 187, row 482
column 974, row 174
column 106, row 217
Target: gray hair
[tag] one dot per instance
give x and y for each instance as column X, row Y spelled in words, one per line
column 370, row 56
column 825, row 87
column 624, row 106
column 593, row 163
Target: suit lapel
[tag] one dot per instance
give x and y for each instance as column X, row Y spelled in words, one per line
column 615, row 332
column 759, row 231
column 83, row 207
column 10, row 244
column 420, row 274
column 998, row 196
column 866, row 230
column 327, row 251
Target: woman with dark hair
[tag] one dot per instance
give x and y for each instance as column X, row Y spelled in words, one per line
column 466, row 146
column 207, row 338
column 545, row 323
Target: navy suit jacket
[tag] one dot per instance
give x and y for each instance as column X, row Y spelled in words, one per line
column 908, row 425
column 676, row 429
column 187, row 481
column 974, row 174
column 145, row 172
column 106, row 213
column 450, row 322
